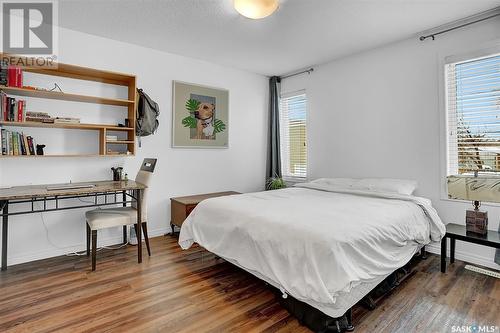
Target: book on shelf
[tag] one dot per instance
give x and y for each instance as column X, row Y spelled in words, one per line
column 16, row 143
column 14, row 76
column 10, row 143
column 31, row 145
column 12, row 109
column 40, row 120
column 111, row 137
column 3, row 141
column 22, row 147
column 40, row 117
column 37, row 114
column 19, row 73
column 15, row 140
column 66, row 120
column 20, row 110
column 26, row 145
column 4, row 114
column 3, row 73
column 11, row 76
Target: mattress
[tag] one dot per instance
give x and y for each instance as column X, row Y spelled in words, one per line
column 325, row 246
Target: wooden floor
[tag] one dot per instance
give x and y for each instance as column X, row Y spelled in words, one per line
column 192, row 291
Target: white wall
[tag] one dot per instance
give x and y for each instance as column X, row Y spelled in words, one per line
column 377, row 114
column 178, row 172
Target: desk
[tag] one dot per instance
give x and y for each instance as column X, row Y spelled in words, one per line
column 51, row 200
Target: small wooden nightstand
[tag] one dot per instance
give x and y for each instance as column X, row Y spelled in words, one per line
column 457, row 231
column 182, row 206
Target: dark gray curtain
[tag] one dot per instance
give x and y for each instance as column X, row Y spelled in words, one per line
column 273, row 145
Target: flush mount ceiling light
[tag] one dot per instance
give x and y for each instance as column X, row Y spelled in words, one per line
column 256, row 9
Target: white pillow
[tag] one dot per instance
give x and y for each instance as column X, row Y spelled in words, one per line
column 401, row 186
column 337, row 182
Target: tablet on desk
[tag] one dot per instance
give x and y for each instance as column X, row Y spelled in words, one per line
column 68, row 187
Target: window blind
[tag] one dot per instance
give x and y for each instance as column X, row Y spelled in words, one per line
column 293, row 135
column 473, row 105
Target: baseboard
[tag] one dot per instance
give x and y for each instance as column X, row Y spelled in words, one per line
column 466, row 256
column 27, row 257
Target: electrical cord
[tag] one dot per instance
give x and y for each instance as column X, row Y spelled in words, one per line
column 47, row 233
column 84, row 253
column 92, row 202
column 88, row 202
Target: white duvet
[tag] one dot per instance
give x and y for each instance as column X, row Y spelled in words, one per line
column 314, row 241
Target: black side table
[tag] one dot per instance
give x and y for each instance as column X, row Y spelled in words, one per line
column 457, row 231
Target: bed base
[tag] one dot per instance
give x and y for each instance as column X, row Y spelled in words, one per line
column 319, row 322
column 314, row 319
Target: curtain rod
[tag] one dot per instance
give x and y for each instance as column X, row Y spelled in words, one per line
column 308, row 71
column 433, row 36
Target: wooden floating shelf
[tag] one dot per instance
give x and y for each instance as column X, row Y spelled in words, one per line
column 68, row 126
column 76, row 72
column 65, row 96
column 119, row 141
column 85, row 74
column 82, row 73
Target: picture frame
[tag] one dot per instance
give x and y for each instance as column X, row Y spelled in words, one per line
column 200, row 116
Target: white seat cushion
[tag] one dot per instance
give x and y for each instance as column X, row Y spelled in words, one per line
column 111, row 217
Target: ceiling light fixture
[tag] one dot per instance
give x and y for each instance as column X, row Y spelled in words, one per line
column 256, row 9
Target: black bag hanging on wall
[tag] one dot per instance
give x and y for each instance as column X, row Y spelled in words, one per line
column 147, row 114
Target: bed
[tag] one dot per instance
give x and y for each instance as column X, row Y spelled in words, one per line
column 327, row 243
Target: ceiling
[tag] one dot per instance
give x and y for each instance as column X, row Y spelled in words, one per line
column 300, row 34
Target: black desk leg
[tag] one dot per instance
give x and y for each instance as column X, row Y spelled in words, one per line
column 452, row 250
column 443, row 255
column 5, row 228
column 124, row 227
column 124, row 234
column 139, row 225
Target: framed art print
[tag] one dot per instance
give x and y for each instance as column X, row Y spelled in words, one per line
column 200, row 116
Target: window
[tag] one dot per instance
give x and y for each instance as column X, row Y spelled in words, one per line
column 473, row 107
column 293, row 135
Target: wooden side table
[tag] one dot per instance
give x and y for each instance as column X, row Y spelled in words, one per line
column 457, row 231
column 182, row 206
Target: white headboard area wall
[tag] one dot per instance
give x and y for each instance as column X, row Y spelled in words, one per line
column 178, row 172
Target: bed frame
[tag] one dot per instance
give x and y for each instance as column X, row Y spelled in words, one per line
column 319, row 322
